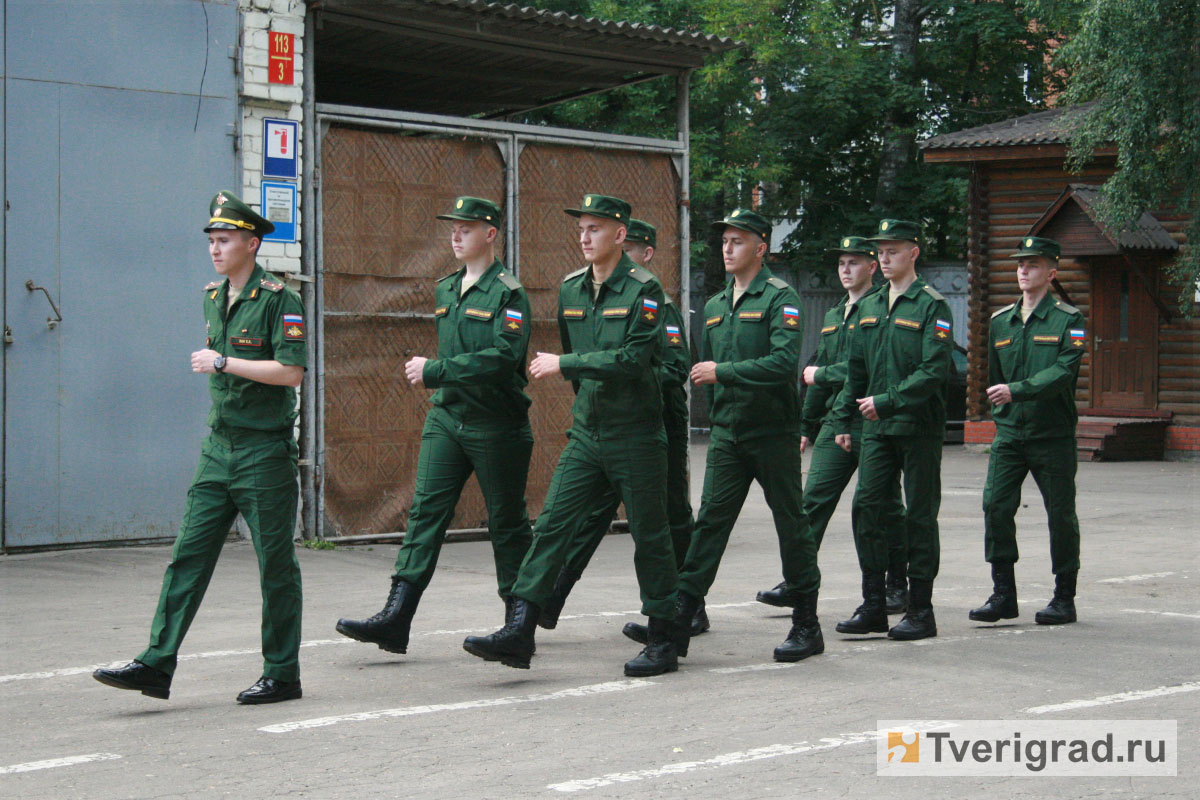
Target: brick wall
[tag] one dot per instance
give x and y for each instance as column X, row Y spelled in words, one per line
column 261, row 99
column 979, row 431
column 1181, row 438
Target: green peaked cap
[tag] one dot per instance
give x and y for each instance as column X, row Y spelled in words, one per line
column 227, row 212
column 747, row 220
column 641, row 232
column 601, row 205
column 897, row 230
column 1039, row 246
column 474, row 209
column 858, row 245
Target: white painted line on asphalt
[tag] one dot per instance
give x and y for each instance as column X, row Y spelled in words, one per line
column 868, row 647
column 1111, row 699
column 962, row 492
column 69, row 761
column 68, row 671
column 1161, row 613
column 729, row 759
column 466, row 705
column 1130, row 578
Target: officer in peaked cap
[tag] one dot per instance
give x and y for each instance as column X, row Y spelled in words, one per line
column 255, row 357
column 641, row 239
column 1034, row 349
column 831, row 467
column 610, row 324
column 479, row 422
column 748, row 363
column 896, row 377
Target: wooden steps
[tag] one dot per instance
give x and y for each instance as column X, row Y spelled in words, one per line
column 1120, row 435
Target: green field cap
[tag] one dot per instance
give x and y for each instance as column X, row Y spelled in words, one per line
column 747, row 220
column 227, row 212
column 897, row 230
column 601, row 205
column 858, row 245
column 1037, row 246
column 474, row 209
column 641, row 232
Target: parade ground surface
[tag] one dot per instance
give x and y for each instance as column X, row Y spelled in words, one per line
column 732, row 723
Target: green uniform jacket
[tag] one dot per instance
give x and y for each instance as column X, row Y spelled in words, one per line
column 266, row 323
column 483, row 337
column 756, row 345
column 902, row 359
column 833, row 354
column 676, row 368
column 1039, row 360
column 612, row 349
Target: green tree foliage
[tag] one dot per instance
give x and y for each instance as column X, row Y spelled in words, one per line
column 1139, row 64
column 801, row 116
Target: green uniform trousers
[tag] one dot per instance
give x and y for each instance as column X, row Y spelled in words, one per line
column 451, row 449
column 1053, row 464
column 253, row 472
column 679, row 509
column 774, row 461
column 829, row 473
column 589, row 472
column 880, row 465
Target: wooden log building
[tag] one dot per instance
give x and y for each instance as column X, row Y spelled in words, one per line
column 1139, row 384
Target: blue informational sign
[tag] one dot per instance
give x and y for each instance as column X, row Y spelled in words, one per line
column 279, row 149
column 279, row 206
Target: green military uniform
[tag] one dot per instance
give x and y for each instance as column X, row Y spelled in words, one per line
column 755, row 414
column 479, row 423
column 900, row 357
column 611, row 353
column 248, row 464
column 1039, row 360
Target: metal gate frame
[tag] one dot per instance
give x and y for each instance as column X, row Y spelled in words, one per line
column 511, row 139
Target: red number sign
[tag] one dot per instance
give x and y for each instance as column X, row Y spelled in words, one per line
column 279, row 61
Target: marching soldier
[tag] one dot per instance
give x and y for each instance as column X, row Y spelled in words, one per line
column 479, row 422
column 751, row 353
column 609, row 319
column 1034, row 349
column 255, row 357
column 896, row 378
column 831, row 467
column 641, row 239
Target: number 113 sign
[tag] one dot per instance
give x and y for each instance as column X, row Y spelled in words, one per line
column 280, row 58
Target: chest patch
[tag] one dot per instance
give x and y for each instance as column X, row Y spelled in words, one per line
column 911, row 324
column 1002, row 343
column 478, row 313
column 616, row 313
column 711, row 321
column 245, row 341
column 572, row 313
column 750, row 316
column 441, row 311
column 829, row 329
column 1045, row 338
column 867, row 322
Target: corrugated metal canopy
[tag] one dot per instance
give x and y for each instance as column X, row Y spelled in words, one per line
column 474, row 58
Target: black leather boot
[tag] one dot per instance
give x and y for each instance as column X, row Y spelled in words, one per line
column 804, row 639
column 1062, row 606
column 871, row 616
column 389, row 628
column 563, row 585
column 1003, row 602
column 896, row 588
column 513, row 644
column 659, row 655
column 641, row 634
column 137, row 676
column 918, row 622
column 774, row 597
column 509, row 604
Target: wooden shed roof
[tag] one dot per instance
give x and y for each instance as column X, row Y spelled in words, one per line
column 477, row 58
column 1145, row 234
column 1045, row 133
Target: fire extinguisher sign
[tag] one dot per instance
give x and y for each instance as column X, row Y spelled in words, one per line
column 279, row 149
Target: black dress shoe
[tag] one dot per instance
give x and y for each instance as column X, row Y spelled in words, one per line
column 139, row 677
column 269, row 690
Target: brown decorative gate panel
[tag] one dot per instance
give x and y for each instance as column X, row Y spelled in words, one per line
column 383, row 251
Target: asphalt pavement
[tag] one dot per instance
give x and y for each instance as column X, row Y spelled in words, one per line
column 439, row 723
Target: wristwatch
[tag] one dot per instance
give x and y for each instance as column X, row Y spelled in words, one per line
column 219, row 363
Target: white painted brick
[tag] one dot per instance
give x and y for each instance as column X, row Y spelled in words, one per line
column 255, row 56
column 265, row 5
column 292, row 250
column 256, row 19
column 257, row 40
column 252, row 161
column 282, row 6
column 298, row 67
column 255, row 75
column 288, row 25
column 287, row 94
column 296, row 112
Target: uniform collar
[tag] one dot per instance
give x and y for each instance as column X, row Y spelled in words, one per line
column 253, row 282
column 614, row 282
column 1040, row 310
column 485, row 280
column 756, row 286
column 914, row 288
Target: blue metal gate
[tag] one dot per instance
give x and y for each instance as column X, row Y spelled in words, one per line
column 116, row 132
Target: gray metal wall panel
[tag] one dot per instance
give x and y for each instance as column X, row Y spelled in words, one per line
column 108, row 190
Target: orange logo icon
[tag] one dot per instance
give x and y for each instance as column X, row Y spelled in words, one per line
column 904, row 748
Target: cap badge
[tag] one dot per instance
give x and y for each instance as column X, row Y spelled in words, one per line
column 220, row 199
column 587, row 201
column 845, row 242
column 735, row 213
column 1029, row 242
column 459, row 204
column 883, row 226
